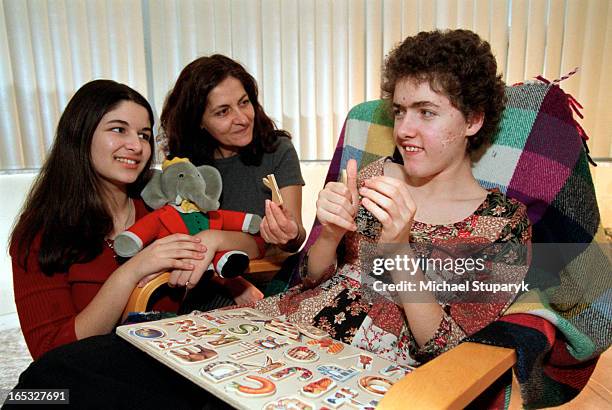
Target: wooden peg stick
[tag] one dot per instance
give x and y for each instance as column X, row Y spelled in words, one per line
column 270, row 182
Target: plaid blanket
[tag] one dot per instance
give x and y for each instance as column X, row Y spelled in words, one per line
column 559, row 328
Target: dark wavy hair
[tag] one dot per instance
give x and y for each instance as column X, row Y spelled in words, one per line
column 65, row 204
column 185, row 104
column 458, row 64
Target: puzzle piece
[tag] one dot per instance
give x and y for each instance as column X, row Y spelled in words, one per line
column 340, row 396
column 338, row 373
column 302, row 354
column 193, row 354
column 148, row 332
column 240, row 314
column 244, row 329
column 311, row 331
column 364, row 362
column 267, row 366
column 318, row 387
column 211, row 318
column 331, row 346
column 375, row 385
column 271, row 343
column 394, row 369
column 193, row 329
column 263, row 387
column 305, row 374
column 288, row 403
column 222, row 370
column 371, row 405
column 183, row 324
column 163, row 344
column 223, row 340
column 204, row 331
column 248, row 350
column 283, row 328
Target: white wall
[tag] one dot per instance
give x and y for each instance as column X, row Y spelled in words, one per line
column 14, row 187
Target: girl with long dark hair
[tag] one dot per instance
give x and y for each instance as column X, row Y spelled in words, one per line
column 68, row 283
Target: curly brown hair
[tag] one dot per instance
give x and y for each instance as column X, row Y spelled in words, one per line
column 184, row 106
column 458, row 64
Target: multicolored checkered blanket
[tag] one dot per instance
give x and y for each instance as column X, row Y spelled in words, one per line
column 539, row 157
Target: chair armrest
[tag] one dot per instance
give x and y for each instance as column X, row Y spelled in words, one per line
column 140, row 296
column 269, row 263
column 261, row 271
column 452, row 380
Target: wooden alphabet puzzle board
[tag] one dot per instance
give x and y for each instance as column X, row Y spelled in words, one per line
column 256, row 362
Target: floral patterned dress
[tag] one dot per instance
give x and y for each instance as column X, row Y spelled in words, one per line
column 350, row 311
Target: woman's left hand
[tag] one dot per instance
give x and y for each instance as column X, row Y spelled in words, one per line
column 390, row 202
column 278, row 225
column 190, row 278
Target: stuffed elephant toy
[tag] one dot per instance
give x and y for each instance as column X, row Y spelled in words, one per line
column 186, row 200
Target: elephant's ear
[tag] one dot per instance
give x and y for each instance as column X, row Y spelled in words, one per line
column 152, row 194
column 214, row 184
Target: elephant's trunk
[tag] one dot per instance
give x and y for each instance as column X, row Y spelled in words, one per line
column 196, row 193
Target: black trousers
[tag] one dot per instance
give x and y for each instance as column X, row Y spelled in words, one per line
column 106, row 372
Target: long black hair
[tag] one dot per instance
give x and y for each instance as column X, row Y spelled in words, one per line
column 65, row 205
column 185, row 104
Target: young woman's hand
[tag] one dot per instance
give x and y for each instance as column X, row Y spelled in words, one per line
column 191, row 276
column 390, row 202
column 243, row 291
column 278, row 225
column 177, row 251
column 338, row 203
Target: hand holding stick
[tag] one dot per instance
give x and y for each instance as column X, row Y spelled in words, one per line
column 270, row 182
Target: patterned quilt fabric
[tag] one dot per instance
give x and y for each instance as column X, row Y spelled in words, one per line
column 351, row 311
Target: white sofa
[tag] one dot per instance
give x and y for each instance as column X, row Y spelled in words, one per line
column 13, row 189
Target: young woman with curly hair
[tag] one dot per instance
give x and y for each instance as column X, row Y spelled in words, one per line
column 446, row 98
